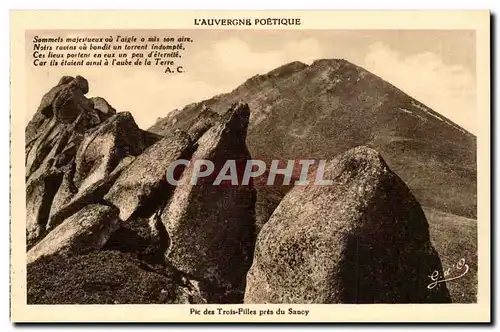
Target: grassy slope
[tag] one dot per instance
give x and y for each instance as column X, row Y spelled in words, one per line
column 455, row 237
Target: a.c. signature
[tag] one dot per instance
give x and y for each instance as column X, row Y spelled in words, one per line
column 436, row 278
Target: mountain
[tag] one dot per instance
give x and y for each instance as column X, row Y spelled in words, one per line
column 319, row 111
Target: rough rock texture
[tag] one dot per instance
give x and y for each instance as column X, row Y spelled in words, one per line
column 86, row 230
column 105, row 277
column 74, row 146
column 52, row 139
column 211, row 228
column 66, row 204
column 102, row 106
column 105, row 146
column 39, row 193
column 143, row 184
column 204, row 121
column 362, row 239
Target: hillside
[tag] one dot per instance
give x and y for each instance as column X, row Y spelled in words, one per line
column 321, row 110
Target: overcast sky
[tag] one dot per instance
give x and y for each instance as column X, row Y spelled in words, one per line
column 435, row 67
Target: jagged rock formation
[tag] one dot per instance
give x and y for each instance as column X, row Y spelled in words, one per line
column 97, row 187
column 102, row 148
column 105, row 226
column 71, row 146
column 222, row 217
column 362, row 239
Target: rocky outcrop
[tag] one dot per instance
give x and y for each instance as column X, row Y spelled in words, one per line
column 143, row 184
column 104, row 147
column 66, row 202
column 106, row 223
column 39, row 194
column 362, row 239
column 73, row 148
column 86, row 230
column 211, row 227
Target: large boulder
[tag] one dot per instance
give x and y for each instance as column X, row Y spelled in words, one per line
column 361, row 239
column 211, row 227
column 86, row 230
column 143, row 184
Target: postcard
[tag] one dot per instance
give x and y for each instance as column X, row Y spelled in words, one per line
column 250, row 166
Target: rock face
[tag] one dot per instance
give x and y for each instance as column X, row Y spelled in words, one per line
column 144, row 182
column 66, row 205
column 86, row 230
column 103, row 148
column 102, row 106
column 211, row 227
column 362, row 239
column 73, row 148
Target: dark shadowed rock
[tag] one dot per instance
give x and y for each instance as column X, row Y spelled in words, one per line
column 66, row 100
column 80, row 83
column 143, row 237
column 211, row 227
column 45, row 106
column 362, row 239
column 86, row 230
column 104, row 147
column 143, row 184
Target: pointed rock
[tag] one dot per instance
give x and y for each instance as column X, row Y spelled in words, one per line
column 86, row 230
column 211, row 227
column 362, row 239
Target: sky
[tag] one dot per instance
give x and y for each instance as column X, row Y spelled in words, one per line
column 436, row 67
